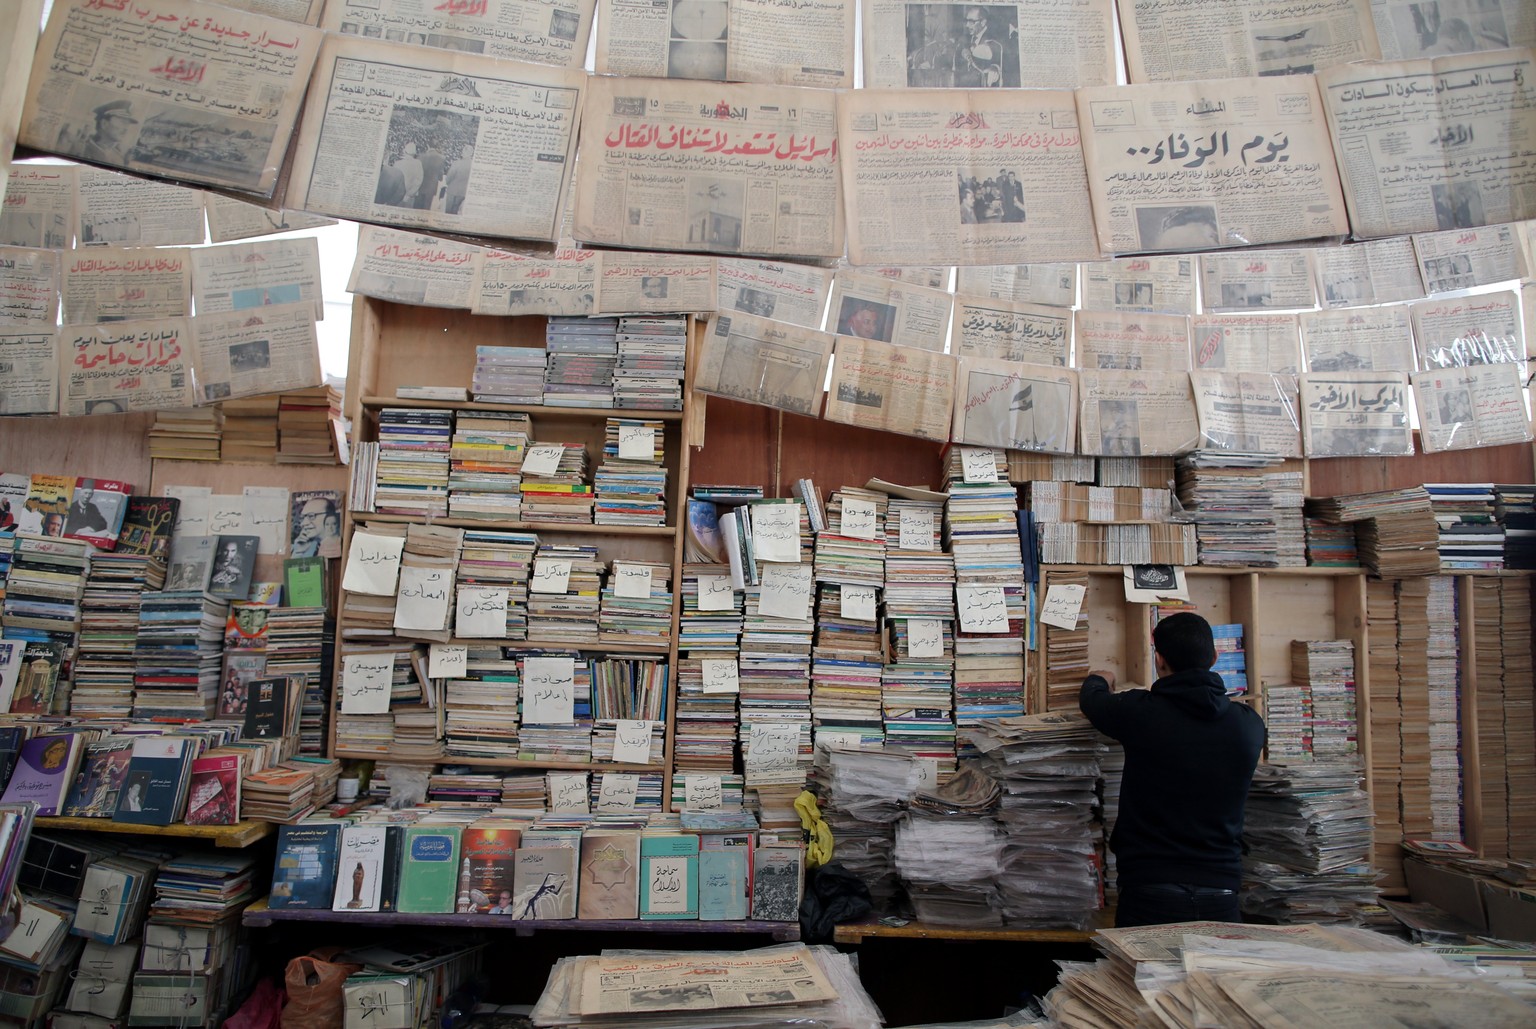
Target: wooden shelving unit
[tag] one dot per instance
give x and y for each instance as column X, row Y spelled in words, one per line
column 241, row 834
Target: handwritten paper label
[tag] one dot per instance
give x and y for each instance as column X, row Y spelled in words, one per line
column 568, row 792
column 34, row 928
column 1062, row 603
column 666, row 885
column 365, row 683
column 550, row 575
column 829, row 739
column 637, row 443
column 631, row 580
column 916, row 530
column 423, row 600
column 858, row 519
column 482, row 612
column 927, row 773
column 786, row 592
column 925, row 637
column 982, row 608
column 773, row 748
column 632, row 742
column 226, row 515
column 445, row 661
column 703, row 792
column 617, row 792
column 542, row 460
column 373, row 564
column 196, row 508
column 266, row 517
column 979, row 464
column 549, row 690
column 721, row 675
column 858, row 603
column 715, row 593
column 776, row 532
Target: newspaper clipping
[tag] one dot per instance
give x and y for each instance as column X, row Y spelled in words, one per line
column 1167, row 40
column 39, row 209
column 1461, row 408
column 1379, row 271
column 805, row 43
column 114, row 284
column 1235, row 163
column 933, row 276
column 773, row 364
column 246, row 275
column 1253, row 280
column 170, row 88
column 1408, row 28
column 1147, row 285
column 121, row 210
column 1463, row 258
column 1246, row 343
column 541, row 31
column 1365, row 339
column 1054, row 285
column 1049, row 45
column 230, row 220
column 640, row 283
column 411, row 269
column 248, row 352
column 1136, row 414
column 1007, row 168
column 1031, row 333
column 895, row 389
column 305, row 12
column 793, row 293
column 29, row 286
column 1155, row 342
column 29, row 360
column 1248, row 411
column 1436, row 144
column 646, row 985
column 514, row 284
column 1469, row 330
column 1355, row 414
column 892, row 312
column 1016, row 406
column 435, row 139
column 126, row 366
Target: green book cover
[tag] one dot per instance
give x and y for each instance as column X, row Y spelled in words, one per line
column 304, row 578
column 669, row 877
column 429, row 869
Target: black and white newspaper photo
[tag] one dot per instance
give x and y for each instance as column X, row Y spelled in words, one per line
column 243, row 353
column 126, row 366
column 1168, row 40
column 305, row 12
column 114, row 284
column 1053, row 283
column 1462, row 408
column 1357, row 339
column 1355, row 414
column 1377, row 271
column 541, row 31
column 871, row 307
column 122, row 210
column 1249, row 412
column 1131, row 342
column 894, row 389
column 1015, row 405
column 1136, row 414
column 1464, row 331
column 29, row 286
column 1464, row 258
column 507, row 283
column 785, row 292
column 641, row 283
column 1433, row 28
column 1032, row 333
column 20, row 24
column 763, row 362
column 229, row 219
column 1257, row 280
column 39, row 208
column 1140, row 285
column 1245, row 343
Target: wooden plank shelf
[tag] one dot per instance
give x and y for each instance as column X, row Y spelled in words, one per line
column 858, row 932
column 577, row 413
column 664, row 531
column 509, row 764
column 241, row 834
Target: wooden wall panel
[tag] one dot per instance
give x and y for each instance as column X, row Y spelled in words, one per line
column 97, row 447
column 1333, row 476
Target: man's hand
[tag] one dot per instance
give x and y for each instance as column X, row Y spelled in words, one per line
column 1107, row 676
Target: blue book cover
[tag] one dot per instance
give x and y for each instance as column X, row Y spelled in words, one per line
column 304, row 875
column 725, row 887
column 669, row 877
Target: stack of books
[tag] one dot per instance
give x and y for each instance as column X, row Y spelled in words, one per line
column 1515, row 507
column 1397, row 534
column 1470, row 535
column 1327, row 667
column 846, row 670
column 649, row 373
column 556, row 490
column 774, row 675
column 1443, row 715
column 637, row 604
column 564, row 595
column 500, row 561
column 508, row 375
column 548, row 735
column 917, row 689
column 425, row 602
column 1231, row 658
column 629, row 690
column 187, row 434
column 710, row 631
column 296, row 647
column 177, row 654
column 1066, row 650
column 1233, row 509
column 485, row 460
column 306, row 421
column 368, row 731
column 109, row 627
column 250, row 429
column 631, row 483
column 1330, row 544
column 1287, row 491
column 582, row 357
column 481, row 708
column 413, row 462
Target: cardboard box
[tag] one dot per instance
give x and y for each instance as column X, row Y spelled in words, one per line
column 1511, row 911
column 1451, row 891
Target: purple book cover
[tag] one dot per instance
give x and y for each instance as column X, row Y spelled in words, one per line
column 45, row 771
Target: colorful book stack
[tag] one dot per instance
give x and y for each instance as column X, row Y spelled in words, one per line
column 1470, row 535
column 636, row 604
column 491, row 563
column 556, row 707
column 1288, row 493
column 44, row 587
column 509, row 375
column 364, row 726
column 485, row 460
column 776, row 640
column 1288, row 721
column 413, row 463
column 297, row 648
column 193, row 931
column 631, row 483
column 708, row 678
column 649, row 373
column 1233, row 509
column 481, row 707
column 564, row 595
column 109, row 627
column 1231, row 658
column 1328, row 669
column 624, row 797
column 305, row 434
column 1515, row 506
column 178, row 654
column 1330, row 544
column 1443, row 715
column 554, row 484
column 849, row 654
column 582, row 356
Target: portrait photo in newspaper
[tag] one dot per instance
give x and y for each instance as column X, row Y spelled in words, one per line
column 966, row 46
column 772, row 364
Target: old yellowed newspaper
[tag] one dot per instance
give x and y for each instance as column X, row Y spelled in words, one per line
column 306, row 12
column 230, row 219
column 20, row 23
column 1246, row 343
column 1032, row 333
column 123, row 210
column 1355, row 414
column 1358, row 339
column 934, row 276
column 413, row 269
column 1155, row 342
column 542, row 31
column 1461, row 408
column 1197, row 166
column 895, row 389
column 243, row 353
column 506, row 283
column 241, row 276
column 1150, row 285
column 1377, row 271
column 785, row 292
column 30, row 358
column 1463, row 258
column 1410, row 28
column 1248, row 411
column 1016, row 406
column 126, row 366
column 1456, row 333
column 1054, row 284
column 1292, row 999
column 871, row 307
column 1167, row 40
column 1136, row 414
column 1257, row 280
column 963, row 177
column 171, row 88
column 39, row 209
column 632, row 985
column 113, row 284
column 641, row 283
column 29, row 286
column 769, row 363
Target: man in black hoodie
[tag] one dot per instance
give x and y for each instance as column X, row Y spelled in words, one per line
column 1189, row 757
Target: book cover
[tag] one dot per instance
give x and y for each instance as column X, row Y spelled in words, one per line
column 155, row 789
column 213, row 796
column 489, row 852
column 360, row 870
column 704, row 542
column 777, row 876
column 304, row 581
column 267, row 708
column 544, row 880
column 14, row 487
column 191, row 563
column 609, row 886
column 47, row 504
column 669, row 877
column 41, row 662
column 147, row 526
column 11, row 739
column 246, row 626
column 12, row 653
column 102, row 772
column 234, row 564
column 96, row 511
column 240, row 670
column 45, row 770
column 725, row 876
column 394, row 853
column 304, row 872
column 316, row 523
column 429, row 869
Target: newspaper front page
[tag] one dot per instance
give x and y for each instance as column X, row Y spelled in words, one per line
column 1032, row 333
column 1355, row 414
column 1155, row 342
column 895, row 389
column 769, row 363
column 637, row 985
column 126, row 366
column 563, row 284
column 1410, row 28
column 1463, row 258
column 1016, row 406
column 29, row 286
column 803, row 43
column 1294, row 998
column 1229, row 163
column 1167, row 40
column 1469, row 330
column 1053, row 284
column 243, row 353
column 241, row 276
column 1378, row 271
column 1040, row 44
column 932, row 276
column 1149, row 285
column 892, row 312
column 114, row 284
column 785, row 292
column 171, row 88
column 414, row 136
column 1248, row 411
column 1462, row 408
column 1246, row 343
column 1435, row 144
column 305, row 12
column 39, row 209
column 120, row 210
column 1257, row 280
column 1136, row 414
column 411, row 269
column 229, row 220
column 29, row 361
column 640, row 283
column 728, row 169
column 1378, row 339
column 963, row 178
column 542, row 31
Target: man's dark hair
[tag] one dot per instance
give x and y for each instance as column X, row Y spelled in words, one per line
column 1184, row 641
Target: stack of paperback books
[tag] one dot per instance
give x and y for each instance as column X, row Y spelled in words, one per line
column 557, row 707
column 109, row 627
column 305, row 429
column 484, row 464
column 508, row 375
column 582, row 356
column 1515, row 506
column 1233, row 509
column 637, row 604
column 1327, row 668
column 481, row 707
column 1470, row 535
column 631, row 483
column 554, row 484
column 296, row 648
column 1396, row 531
column 564, row 595
column 494, row 563
column 187, row 434
column 250, row 429
column 649, row 374
column 413, row 461
column 708, row 675
column 177, row 654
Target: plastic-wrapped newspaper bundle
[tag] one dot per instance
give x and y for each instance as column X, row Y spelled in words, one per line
column 949, row 858
column 866, row 794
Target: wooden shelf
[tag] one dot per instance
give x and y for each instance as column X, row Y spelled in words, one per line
column 858, row 932
column 572, row 413
column 1215, row 570
column 260, row 915
column 613, row 649
column 241, row 834
column 667, row 531
column 509, row 764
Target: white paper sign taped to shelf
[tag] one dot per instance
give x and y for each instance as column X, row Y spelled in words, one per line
column 721, row 675
column 776, row 531
column 542, row 460
column 226, row 515
column 916, row 530
column 426, row 594
column 773, row 747
column 617, row 791
column 1062, row 603
column 716, row 594
column 925, row 637
column 549, row 690
column 632, row 742
column 633, row 581
column 927, row 773
column 482, row 612
column 786, row 592
column 858, row 603
column 195, row 511
column 979, row 464
column 373, row 564
column 365, row 683
column 827, row 739
column 447, row 661
column 858, row 518
column 567, row 791
column 550, row 575
column 982, row 609
column 703, row 792
column 637, row 443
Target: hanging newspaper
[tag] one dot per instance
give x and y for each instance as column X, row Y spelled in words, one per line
column 640, row 283
column 1136, row 414
column 988, row 46
column 727, row 169
column 244, row 353
column 305, row 12
column 1257, row 280
column 235, row 219
column 764, row 362
column 1462, row 408
column 1007, row 166
column 126, row 211
column 19, row 23
column 805, row 43
column 565, row 283
column 1469, row 330
column 1231, row 163
column 1358, row 339
column 1379, row 271
column 1408, row 28
column 1448, row 143
column 1246, row 343
column 250, row 275
column 1149, row 285
column 114, row 284
column 413, row 136
column 1011, row 332
column 412, row 269
column 931, row 276
column 793, row 293
column 870, row 307
column 1168, row 40
column 895, row 389
column 1015, row 406
column 171, row 88
column 1248, row 411
column 29, row 360
column 1463, row 258
column 1355, row 414
column 1156, row 342
column 126, row 366
column 1054, row 284
column 541, row 31
column 39, row 209
column 29, row 286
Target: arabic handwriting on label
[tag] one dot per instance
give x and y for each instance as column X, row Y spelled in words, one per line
column 447, row 662
column 716, row 594
column 550, row 575
column 980, row 464
column 632, row 742
column 637, row 443
column 721, row 675
column 982, row 609
column 617, row 792
column 542, row 460
column 927, row 773
column 773, row 746
column 366, row 683
column 482, row 612
column 568, row 792
column 858, row 603
column 702, row 792
column 776, row 531
column 1062, row 604
column 373, row 564
column 785, row 591
column 632, row 581
column 916, row 530
column 858, row 518
column 549, row 690
column 925, row 637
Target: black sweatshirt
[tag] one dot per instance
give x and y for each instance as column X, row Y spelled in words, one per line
column 1189, row 758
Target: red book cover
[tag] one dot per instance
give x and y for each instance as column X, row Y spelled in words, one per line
column 489, row 852
column 214, row 797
